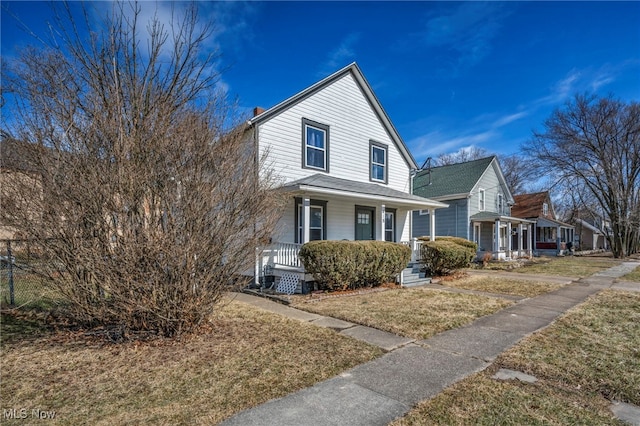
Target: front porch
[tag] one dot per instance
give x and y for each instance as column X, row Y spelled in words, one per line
column 504, row 237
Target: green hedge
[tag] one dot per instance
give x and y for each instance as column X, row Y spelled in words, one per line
column 442, row 256
column 342, row 265
column 461, row 241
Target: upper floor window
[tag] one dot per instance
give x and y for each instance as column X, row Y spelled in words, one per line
column 315, row 145
column 378, row 160
column 545, row 209
column 500, row 204
column 481, row 204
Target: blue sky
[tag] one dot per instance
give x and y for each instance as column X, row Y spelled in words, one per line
column 449, row 74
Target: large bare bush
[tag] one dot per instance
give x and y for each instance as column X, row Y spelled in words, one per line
column 151, row 202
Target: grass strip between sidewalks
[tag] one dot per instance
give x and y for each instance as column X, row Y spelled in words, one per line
column 583, row 361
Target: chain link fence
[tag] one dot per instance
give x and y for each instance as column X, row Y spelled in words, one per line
column 20, row 286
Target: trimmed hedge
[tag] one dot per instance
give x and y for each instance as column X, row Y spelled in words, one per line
column 342, row 265
column 458, row 240
column 443, row 256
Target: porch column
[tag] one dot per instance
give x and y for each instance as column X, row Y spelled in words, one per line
column 496, row 239
column 509, row 243
column 558, row 239
column 520, row 228
column 432, row 224
column 380, row 233
column 529, row 243
column 306, row 219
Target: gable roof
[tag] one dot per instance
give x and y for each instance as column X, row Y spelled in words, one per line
column 530, row 205
column 452, row 179
column 366, row 90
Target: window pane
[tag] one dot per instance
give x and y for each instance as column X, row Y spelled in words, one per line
column 315, row 158
column 377, row 172
column 316, row 217
column 315, row 137
column 315, row 234
column 378, row 155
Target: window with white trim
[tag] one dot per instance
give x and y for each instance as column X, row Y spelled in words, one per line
column 424, row 212
column 378, row 160
column 481, row 201
column 315, row 145
column 500, row 204
column 545, row 209
column 390, row 225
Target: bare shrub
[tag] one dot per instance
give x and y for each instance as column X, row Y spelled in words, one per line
column 151, row 201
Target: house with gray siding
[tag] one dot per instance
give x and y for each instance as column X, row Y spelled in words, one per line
column 479, row 208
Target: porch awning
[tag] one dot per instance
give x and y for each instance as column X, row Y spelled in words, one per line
column 546, row 222
column 492, row 217
column 328, row 185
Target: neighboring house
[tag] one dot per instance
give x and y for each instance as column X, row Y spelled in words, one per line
column 551, row 235
column 590, row 233
column 342, row 161
column 479, row 207
column 16, row 171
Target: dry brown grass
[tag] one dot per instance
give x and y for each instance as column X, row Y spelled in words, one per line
column 632, row 276
column 569, row 266
column 417, row 313
column 583, row 361
column 501, row 285
column 246, row 357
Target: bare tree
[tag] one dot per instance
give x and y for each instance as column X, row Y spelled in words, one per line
column 150, row 204
column 593, row 145
column 461, row 156
column 516, row 172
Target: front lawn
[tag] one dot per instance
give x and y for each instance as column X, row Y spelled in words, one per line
column 632, row 276
column 568, row 266
column 501, row 285
column 412, row 312
column 244, row 357
column 583, row 361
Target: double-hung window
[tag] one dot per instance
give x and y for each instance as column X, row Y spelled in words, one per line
column 481, row 205
column 315, row 145
column 378, row 160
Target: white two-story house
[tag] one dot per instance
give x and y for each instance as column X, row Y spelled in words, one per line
column 343, row 164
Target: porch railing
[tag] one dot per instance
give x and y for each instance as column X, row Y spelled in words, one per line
column 282, row 254
column 415, row 246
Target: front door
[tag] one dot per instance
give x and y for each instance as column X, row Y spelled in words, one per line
column 365, row 223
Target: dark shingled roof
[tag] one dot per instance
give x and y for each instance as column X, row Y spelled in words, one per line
column 451, row 179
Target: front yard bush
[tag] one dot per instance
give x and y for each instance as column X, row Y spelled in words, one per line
column 458, row 240
column 441, row 257
column 342, row 265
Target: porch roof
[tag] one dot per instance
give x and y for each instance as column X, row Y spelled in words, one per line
column 547, row 222
column 492, row 217
column 329, row 185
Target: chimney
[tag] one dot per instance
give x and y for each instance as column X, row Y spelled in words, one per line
column 258, row 111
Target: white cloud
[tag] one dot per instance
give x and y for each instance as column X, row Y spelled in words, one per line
column 341, row 56
column 437, row 142
column 468, row 30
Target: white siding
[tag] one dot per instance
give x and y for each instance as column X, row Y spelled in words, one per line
column 341, row 220
column 352, row 125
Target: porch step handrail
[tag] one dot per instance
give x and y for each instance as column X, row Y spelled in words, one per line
column 415, row 246
column 283, row 254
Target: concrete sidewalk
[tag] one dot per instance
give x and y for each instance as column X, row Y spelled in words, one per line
column 377, row 392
